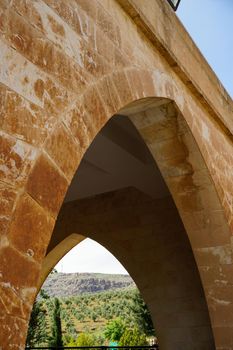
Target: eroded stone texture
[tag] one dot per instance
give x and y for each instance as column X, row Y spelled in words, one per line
column 66, row 68
column 27, row 214
column 81, row 126
column 67, row 153
column 25, row 270
column 7, row 199
column 23, row 119
column 12, row 332
column 16, row 159
column 47, row 185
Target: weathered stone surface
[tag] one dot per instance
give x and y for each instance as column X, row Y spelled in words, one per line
column 7, row 200
column 23, row 119
column 223, row 337
column 30, row 228
column 123, row 88
column 16, row 159
column 80, row 124
column 61, row 147
column 47, row 185
column 40, row 90
column 12, row 333
column 17, row 270
column 11, row 303
column 214, row 255
column 93, row 104
column 74, row 16
column 66, row 67
column 30, row 43
column 109, row 95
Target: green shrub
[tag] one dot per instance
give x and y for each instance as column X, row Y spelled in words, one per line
column 85, row 339
column 115, row 329
column 133, row 337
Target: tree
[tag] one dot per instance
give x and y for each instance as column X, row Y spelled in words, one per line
column 142, row 314
column 94, row 316
column 56, row 328
column 33, row 324
column 115, row 329
column 43, row 294
column 133, row 337
column 37, row 330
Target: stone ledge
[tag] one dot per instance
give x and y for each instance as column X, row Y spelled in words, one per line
column 183, row 56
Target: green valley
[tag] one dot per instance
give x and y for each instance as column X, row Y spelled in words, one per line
column 58, row 313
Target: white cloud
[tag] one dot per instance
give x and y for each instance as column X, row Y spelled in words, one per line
column 90, row 256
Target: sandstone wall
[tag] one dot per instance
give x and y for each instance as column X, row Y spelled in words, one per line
column 66, row 68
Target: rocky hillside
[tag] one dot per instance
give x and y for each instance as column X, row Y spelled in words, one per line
column 71, row 284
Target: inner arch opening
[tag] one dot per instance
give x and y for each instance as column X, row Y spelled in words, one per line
column 87, row 303
column 118, row 197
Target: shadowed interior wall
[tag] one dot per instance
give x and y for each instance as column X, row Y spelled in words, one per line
column 147, row 236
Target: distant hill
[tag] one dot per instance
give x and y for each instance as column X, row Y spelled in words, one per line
column 72, row 284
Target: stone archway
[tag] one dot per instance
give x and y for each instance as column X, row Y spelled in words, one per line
column 65, row 71
column 180, row 162
column 146, row 235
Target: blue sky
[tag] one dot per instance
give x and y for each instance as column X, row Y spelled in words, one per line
column 210, row 24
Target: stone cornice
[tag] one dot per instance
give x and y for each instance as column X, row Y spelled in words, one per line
column 170, row 38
